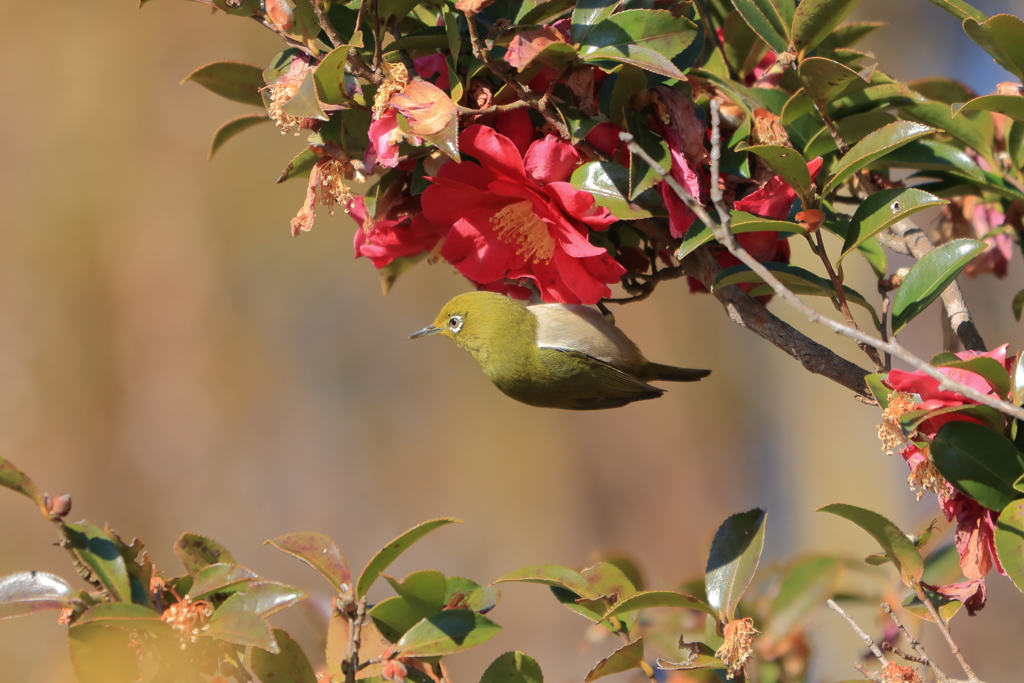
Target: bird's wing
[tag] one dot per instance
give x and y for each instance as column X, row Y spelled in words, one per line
column 569, row 327
column 614, row 383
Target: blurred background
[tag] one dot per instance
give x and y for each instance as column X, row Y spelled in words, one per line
column 175, row 360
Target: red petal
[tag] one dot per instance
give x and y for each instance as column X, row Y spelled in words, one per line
column 495, row 152
column 550, row 160
column 473, row 247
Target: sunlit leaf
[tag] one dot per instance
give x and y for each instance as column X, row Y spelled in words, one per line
column 662, row 598
column 929, row 277
column 289, row 665
column 320, row 553
column 883, row 209
column 445, row 633
column 877, row 144
column 233, row 80
column 513, row 667
column 16, row 480
column 630, row 656
column 1009, row 537
column 978, row 461
column 217, row 577
column 815, row 19
column 196, row 552
column 31, row 592
column 735, row 554
column 1000, row 37
column 895, row 544
column 379, row 562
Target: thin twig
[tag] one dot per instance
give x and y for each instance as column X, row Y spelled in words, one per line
column 326, row 25
column 876, row 678
column 916, row 659
column 944, row 628
column 378, row 38
column 859, row 631
column 354, row 637
column 725, row 237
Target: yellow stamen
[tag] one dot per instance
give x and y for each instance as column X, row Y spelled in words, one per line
column 518, row 224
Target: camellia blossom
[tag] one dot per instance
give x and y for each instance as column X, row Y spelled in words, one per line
column 514, row 216
column 384, row 240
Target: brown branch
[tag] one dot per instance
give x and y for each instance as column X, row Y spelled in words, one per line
column 355, row 629
column 326, row 25
column 944, row 628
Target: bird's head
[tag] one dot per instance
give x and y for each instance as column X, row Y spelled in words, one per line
column 474, row 318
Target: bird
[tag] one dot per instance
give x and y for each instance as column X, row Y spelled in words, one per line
column 552, row 355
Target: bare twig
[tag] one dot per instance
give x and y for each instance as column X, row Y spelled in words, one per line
column 326, row 25
column 916, row 659
column 725, row 237
column 944, row 628
column 355, row 630
column 859, row 631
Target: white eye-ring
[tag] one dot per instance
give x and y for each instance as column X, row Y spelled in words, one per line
column 455, row 323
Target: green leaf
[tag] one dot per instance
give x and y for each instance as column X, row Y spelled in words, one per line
column 1010, row 542
column 912, row 420
column 1018, row 304
column 1008, row 105
column 379, row 562
column 552, row 575
column 960, row 9
column 262, row 598
column 396, row 615
column 513, row 667
column 483, row 599
column 320, row 553
column 824, row 79
column 944, row 605
column 124, row 616
column 645, row 38
column 989, row 369
column 852, row 129
column 939, row 115
column 233, row 80
column 929, row 277
column 873, row 146
column 931, row 155
column 232, row 128
column 428, row 587
column 743, row 48
column 289, row 664
column 304, row 104
column 100, row 554
column 31, row 592
column 629, row 656
column 300, row 166
column 218, row 577
column 1000, row 36
column 16, row 480
column 430, row 38
column 815, row 19
column 879, row 390
column 849, row 34
column 742, row 222
column 788, row 164
column 609, row 183
column 196, row 552
column 650, row 599
column 898, row 548
column 770, row 19
column 978, row 461
column 698, row 656
column 102, row 655
column 329, row 75
column 446, row 632
column 881, row 210
column 735, row 554
column 242, row 628
column 586, row 14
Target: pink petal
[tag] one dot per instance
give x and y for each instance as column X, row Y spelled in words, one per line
column 550, row 160
column 495, row 152
column 473, row 247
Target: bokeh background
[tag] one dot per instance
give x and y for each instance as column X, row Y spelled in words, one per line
column 175, row 360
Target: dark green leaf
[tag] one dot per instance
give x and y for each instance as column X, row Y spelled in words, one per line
column 960, row 9
column 290, row 665
column 263, row 598
column 824, row 79
column 546, row 10
column 430, row 38
column 931, row 155
column 978, row 461
column 233, row 80
column 630, row 656
column 217, row 577
column 881, row 210
column 232, row 128
column 1008, row 105
column 1010, row 542
column 815, row 19
column 929, row 277
column 513, row 667
column 650, row 599
column 622, row 87
column 735, row 554
column 852, row 129
column 320, row 553
column 16, row 480
column 1000, row 36
column 300, row 166
column 787, row 163
column 743, row 48
column 1018, row 304
column 329, row 75
column 989, row 369
column 196, row 552
column 770, row 19
column 609, row 183
column 742, row 222
column 553, row 575
column 242, row 628
column 446, row 632
column 963, row 128
column 645, row 38
column 875, row 145
column 392, row 550
column 304, row 104
column 100, row 554
column 586, row 14
column 899, row 549
column 945, row 605
column 31, row 592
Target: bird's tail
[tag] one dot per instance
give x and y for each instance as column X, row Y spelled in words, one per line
column 669, row 373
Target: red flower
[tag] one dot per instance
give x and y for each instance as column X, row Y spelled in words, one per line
column 513, row 216
column 773, row 200
column 382, row 241
column 431, row 65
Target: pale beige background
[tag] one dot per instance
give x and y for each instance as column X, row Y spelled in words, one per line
column 175, row 360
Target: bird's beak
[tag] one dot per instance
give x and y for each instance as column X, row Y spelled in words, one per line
column 429, row 329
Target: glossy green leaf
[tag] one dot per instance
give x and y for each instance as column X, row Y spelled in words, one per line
column 196, row 552
column 946, row 606
column 849, row 34
column 742, row 46
column 320, row 553
column 770, row 19
column 263, row 598
column 329, row 75
column 852, row 129
column 218, row 577
column 651, row 599
column 31, row 592
column 1010, row 542
column 232, row 128
column 641, row 176
column 895, row 544
column 912, row 420
column 881, row 210
column 552, row 575
column 815, row 19
column 1008, row 105
column 102, row 655
column 931, row 155
column 698, row 656
column 629, row 656
column 396, row 615
column 300, row 166
column 608, row 583
column 960, row 9
column 608, row 182
column 963, row 128
column 823, row 79
column 100, row 554
column 445, row 633
column 513, row 667
column 379, row 562
column 546, row 10
column 879, row 390
column 742, row 222
column 735, row 554
column 929, row 277
column 788, row 164
column 875, row 145
column 989, row 369
column 586, row 14
column 289, row 665
column 978, row 461
column 16, row 480
column 305, row 104
column 1000, row 36
column 125, row 616
column 427, row 586
column 233, row 80
column 430, row 38
column 645, row 38
column 242, row 628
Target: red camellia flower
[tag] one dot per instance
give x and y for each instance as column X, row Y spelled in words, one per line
column 382, row 241
column 514, row 216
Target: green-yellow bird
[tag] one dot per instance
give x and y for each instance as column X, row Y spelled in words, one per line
column 552, row 355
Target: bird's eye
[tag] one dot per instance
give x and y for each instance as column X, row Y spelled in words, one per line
column 455, row 323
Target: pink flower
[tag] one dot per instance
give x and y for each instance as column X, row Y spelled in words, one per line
column 513, row 216
column 384, row 138
column 433, row 64
column 384, row 240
